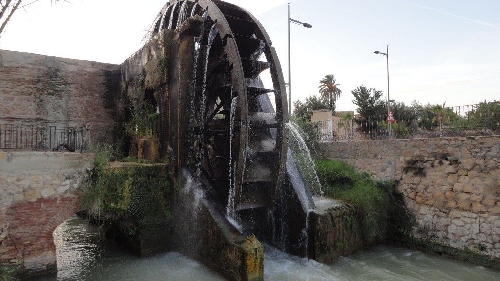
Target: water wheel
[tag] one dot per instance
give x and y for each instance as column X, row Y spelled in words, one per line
column 237, row 145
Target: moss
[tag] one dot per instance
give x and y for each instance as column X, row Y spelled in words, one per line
column 8, row 273
column 140, row 192
column 382, row 210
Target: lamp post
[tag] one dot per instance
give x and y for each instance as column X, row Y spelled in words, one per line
column 389, row 118
column 306, row 25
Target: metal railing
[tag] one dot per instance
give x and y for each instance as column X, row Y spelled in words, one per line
column 460, row 121
column 21, row 136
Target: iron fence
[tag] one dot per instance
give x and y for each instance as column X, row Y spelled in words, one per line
column 460, row 121
column 21, row 136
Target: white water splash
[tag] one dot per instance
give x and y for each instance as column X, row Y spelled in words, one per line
column 230, row 210
column 303, row 159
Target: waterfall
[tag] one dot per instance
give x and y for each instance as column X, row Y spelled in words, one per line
column 230, row 210
column 303, row 159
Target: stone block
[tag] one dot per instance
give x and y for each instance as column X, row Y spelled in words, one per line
column 495, row 210
column 450, row 204
column 452, row 178
column 451, row 169
column 458, row 187
column 463, row 179
column 457, row 222
column 63, row 188
column 449, row 194
column 477, row 207
column 47, row 192
column 464, row 205
column 32, row 195
column 452, row 229
column 420, row 199
column 468, row 189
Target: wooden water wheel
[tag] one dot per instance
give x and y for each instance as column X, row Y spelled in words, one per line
column 237, row 141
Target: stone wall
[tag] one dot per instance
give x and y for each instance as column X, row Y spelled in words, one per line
column 451, row 185
column 50, row 91
column 39, row 191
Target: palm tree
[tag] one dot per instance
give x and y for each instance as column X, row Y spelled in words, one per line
column 329, row 90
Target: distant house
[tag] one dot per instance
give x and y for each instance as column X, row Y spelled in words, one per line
column 333, row 126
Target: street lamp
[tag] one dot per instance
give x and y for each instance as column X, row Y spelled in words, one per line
column 306, row 25
column 390, row 119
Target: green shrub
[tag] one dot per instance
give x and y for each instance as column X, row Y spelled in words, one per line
column 7, row 273
column 382, row 209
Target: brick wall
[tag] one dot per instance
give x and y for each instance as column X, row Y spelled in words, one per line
column 452, row 185
column 36, row 89
column 39, row 191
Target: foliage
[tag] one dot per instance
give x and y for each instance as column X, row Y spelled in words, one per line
column 143, row 121
column 329, row 91
column 304, row 111
column 370, row 107
column 7, row 273
column 437, row 116
column 346, row 121
column 377, row 200
column 486, row 115
column 104, row 153
column 139, row 192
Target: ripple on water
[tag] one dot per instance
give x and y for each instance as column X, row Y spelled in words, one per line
column 82, row 255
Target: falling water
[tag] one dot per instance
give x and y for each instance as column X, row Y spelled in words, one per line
column 193, row 11
column 303, row 159
column 162, row 21
column 230, row 210
column 170, row 22
column 193, row 186
column 182, row 14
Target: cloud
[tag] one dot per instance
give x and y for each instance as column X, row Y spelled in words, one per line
column 455, row 15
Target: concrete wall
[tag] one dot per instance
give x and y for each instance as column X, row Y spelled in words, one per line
column 451, row 185
column 39, row 191
column 38, row 89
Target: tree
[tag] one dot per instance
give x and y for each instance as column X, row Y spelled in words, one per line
column 9, row 7
column 437, row 116
column 329, row 90
column 486, row 115
column 370, row 107
column 371, row 110
column 304, row 110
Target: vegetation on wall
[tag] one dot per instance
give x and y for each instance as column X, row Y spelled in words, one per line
column 7, row 273
column 135, row 193
column 382, row 210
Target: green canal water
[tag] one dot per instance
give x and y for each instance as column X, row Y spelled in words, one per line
column 83, row 255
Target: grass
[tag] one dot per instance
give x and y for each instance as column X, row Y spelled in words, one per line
column 376, row 200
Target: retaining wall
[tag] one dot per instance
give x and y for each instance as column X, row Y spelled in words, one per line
column 45, row 90
column 39, row 191
column 451, row 185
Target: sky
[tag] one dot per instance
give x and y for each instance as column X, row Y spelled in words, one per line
column 440, row 51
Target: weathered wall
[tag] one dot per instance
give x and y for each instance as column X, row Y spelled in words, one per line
column 452, row 185
column 39, row 190
column 145, row 82
column 39, row 90
column 336, row 230
column 202, row 232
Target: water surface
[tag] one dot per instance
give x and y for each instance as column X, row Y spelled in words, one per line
column 82, row 254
